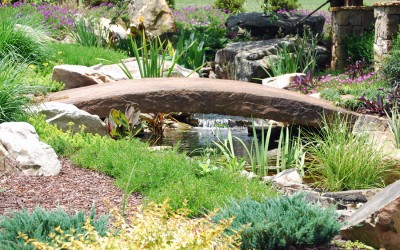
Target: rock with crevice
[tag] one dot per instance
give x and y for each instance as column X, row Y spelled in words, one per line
column 377, row 222
column 155, row 15
column 281, row 82
column 22, row 152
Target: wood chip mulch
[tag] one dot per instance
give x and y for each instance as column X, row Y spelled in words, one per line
column 73, row 189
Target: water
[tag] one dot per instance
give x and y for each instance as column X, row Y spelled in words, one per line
column 197, row 138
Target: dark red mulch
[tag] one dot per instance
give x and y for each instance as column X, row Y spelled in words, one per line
column 74, row 189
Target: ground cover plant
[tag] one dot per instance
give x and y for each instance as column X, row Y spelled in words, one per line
column 43, row 225
column 280, row 223
column 156, row 227
column 157, row 175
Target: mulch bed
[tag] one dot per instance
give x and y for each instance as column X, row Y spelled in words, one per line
column 74, row 189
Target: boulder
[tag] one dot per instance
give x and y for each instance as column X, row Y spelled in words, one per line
column 155, row 15
column 249, row 61
column 282, row 81
column 21, row 151
column 377, row 222
column 115, row 32
column 288, row 177
column 62, row 114
column 352, row 196
column 75, row 76
column 270, row 26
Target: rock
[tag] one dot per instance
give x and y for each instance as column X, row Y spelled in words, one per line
column 353, row 196
column 22, row 151
column 377, row 222
column 282, row 81
column 205, row 96
column 248, row 175
column 159, row 148
column 62, row 114
column 115, row 32
column 315, row 95
column 75, row 76
column 155, row 15
column 249, row 61
column 260, row 25
column 288, row 177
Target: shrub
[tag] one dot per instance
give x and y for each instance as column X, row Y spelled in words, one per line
column 88, row 33
column 359, row 48
column 41, row 224
column 233, row 6
column 337, row 163
column 275, row 5
column 13, row 99
column 156, row 227
column 280, row 222
column 394, row 125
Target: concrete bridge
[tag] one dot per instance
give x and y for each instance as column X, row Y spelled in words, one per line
column 224, row 97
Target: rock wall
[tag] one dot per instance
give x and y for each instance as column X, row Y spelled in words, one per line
column 386, row 26
column 346, row 21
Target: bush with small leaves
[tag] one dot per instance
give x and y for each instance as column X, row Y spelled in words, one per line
column 281, row 222
column 41, row 224
column 233, row 6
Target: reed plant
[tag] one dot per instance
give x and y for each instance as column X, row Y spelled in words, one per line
column 394, row 124
column 13, row 94
column 343, row 160
column 87, row 33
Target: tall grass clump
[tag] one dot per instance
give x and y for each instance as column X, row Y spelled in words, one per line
column 24, row 36
column 13, row 99
column 281, row 222
column 42, row 224
column 87, row 33
column 301, row 56
column 394, row 125
column 344, row 160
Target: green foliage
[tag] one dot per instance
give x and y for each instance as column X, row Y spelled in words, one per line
column 337, row 163
column 23, row 35
column 80, row 55
column 225, row 146
column 299, row 57
column 171, row 3
column 13, row 99
column 120, row 125
column 42, row 83
column 281, row 222
column 390, row 67
column 275, row 5
column 194, row 51
column 394, row 125
column 87, row 33
column 40, row 224
column 359, row 48
column 157, row 175
column 233, row 6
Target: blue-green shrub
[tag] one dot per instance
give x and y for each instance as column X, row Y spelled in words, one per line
column 281, row 222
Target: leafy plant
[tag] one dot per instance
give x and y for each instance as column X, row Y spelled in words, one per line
column 156, row 124
column 194, row 51
column 275, row 5
column 227, row 149
column 337, row 163
column 280, row 222
column 305, row 84
column 120, row 125
column 357, row 69
column 42, row 224
column 233, row 6
column 157, row 226
column 204, row 167
column 360, row 47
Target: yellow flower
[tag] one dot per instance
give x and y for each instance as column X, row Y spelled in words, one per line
column 141, row 19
